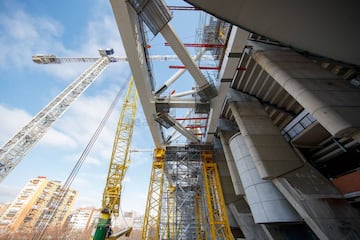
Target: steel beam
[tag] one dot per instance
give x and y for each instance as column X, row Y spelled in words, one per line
column 167, row 121
column 175, row 102
column 207, row 90
column 127, row 22
column 235, row 47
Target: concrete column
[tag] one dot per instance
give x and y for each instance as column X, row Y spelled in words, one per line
column 267, row 204
column 320, row 204
column 270, row 152
column 315, row 199
column 234, row 174
column 244, row 219
column 334, row 102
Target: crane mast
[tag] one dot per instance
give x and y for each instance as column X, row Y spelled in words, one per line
column 119, row 163
column 121, row 151
column 12, row 152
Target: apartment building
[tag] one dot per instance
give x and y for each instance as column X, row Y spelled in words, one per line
column 35, row 204
column 84, row 218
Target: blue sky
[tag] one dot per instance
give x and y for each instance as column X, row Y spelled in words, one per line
column 73, row 29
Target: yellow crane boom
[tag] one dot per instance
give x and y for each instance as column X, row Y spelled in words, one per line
column 119, row 163
column 121, row 151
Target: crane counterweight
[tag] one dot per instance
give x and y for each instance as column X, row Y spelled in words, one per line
column 45, row 59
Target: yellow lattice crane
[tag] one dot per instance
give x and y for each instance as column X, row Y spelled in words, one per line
column 218, row 219
column 151, row 224
column 119, row 163
column 185, row 197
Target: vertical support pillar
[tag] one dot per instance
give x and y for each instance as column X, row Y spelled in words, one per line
column 330, row 99
column 246, row 222
column 320, row 204
column 267, row 204
column 234, row 174
column 315, row 199
column 270, row 152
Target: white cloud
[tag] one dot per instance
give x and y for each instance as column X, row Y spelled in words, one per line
column 140, row 158
column 83, row 118
column 8, row 193
column 134, row 202
column 85, row 201
column 24, row 35
column 55, row 138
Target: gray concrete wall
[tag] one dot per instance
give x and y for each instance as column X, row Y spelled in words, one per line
column 244, row 219
column 267, row 204
column 320, row 204
column 334, row 102
column 234, row 174
column 315, row 199
column 270, row 152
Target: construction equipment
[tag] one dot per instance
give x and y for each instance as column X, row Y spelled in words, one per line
column 43, row 224
column 16, row 147
column 119, row 163
column 12, row 152
column 121, row 149
column 153, row 205
column 52, row 59
column 185, row 198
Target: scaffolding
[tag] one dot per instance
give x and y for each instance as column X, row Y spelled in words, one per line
column 185, row 198
column 182, row 168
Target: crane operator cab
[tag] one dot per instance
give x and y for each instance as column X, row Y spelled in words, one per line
column 103, row 229
column 106, row 52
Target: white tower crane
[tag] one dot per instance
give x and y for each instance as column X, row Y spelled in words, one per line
column 17, row 146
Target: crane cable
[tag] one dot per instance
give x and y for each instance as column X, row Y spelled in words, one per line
column 63, row 192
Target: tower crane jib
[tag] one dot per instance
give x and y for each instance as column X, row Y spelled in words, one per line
column 17, row 146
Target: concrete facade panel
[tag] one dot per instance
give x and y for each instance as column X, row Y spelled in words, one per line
column 259, row 213
column 307, row 70
column 320, row 204
column 296, row 87
column 319, row 91
column 269, row 151
column 280, row 56
column 277, row 212
column 257, row 125
column 258, row 190
column 336, row 125
column 246, row 223
column 254, row 175
column 268, row 194
column 252, row 195
column 246, row 178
